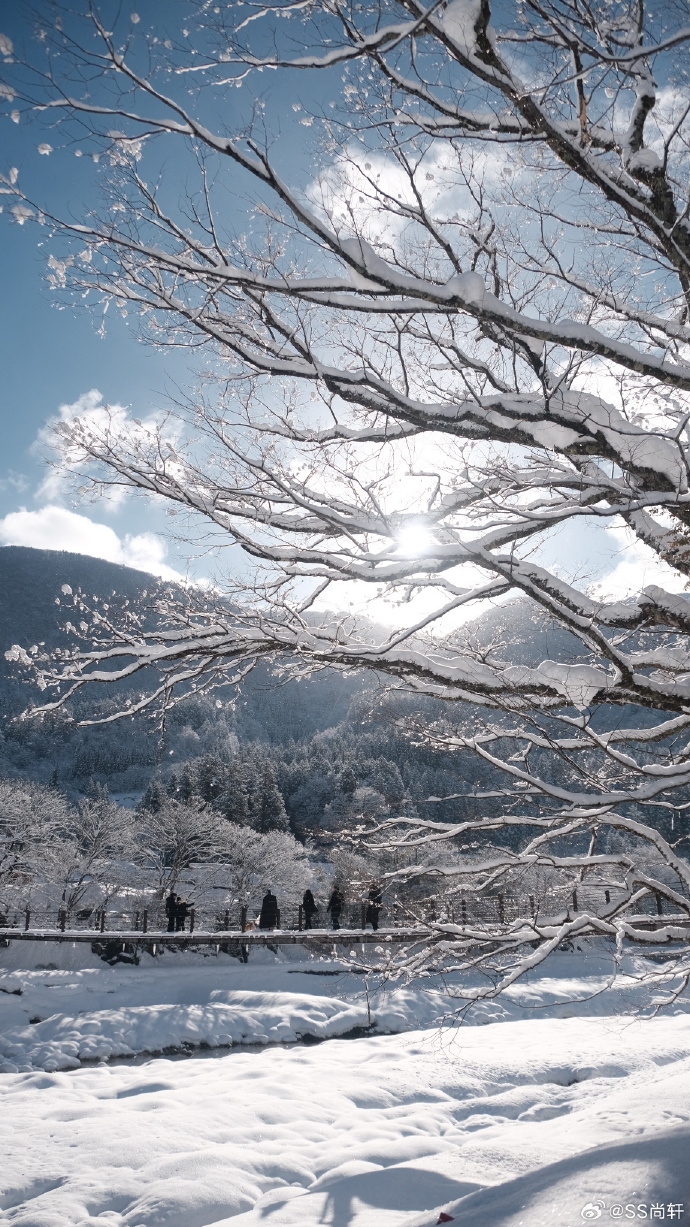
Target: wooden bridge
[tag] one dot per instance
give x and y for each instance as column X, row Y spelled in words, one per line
column 318, row 938
column 252, row 937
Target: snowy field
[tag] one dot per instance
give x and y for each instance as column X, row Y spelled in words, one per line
column 558, row 1112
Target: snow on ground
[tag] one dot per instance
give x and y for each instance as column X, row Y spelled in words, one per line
column 559, row 1107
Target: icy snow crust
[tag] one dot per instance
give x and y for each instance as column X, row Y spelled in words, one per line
column 573, row 1099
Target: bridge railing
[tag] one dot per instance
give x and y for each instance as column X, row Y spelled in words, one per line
column 461, row 909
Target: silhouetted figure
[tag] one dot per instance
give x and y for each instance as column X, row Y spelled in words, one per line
column 374, row 905
column 181, row 910
column 335, row 907
column 268, row 918
column 309, row 909
column 170, row 910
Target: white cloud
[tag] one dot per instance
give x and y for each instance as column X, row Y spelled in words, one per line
column 354, row 192
column 53, row 526
column 112, row 422
column 56, row 528
column 14, row 481
column 638, row 567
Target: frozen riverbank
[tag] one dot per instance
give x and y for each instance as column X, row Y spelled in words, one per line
column 57, row 1017
column 571, row 1100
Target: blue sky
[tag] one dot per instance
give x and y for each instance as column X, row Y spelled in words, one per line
column 52, row 354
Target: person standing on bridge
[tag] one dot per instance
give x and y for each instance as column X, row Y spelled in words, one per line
column 268, row 918
column 170, row 910
column 335, row 907
column 374, row 905
column 309, row 909
column 181, row 910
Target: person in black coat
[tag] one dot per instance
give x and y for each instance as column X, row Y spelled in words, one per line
column 335, row 907
column 374, row 905
column 170, row 907
column 309, row 908
column 181, row 910
column 268, row 918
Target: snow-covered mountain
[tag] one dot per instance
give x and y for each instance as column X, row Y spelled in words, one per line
column 314, row 733
column 30, row 585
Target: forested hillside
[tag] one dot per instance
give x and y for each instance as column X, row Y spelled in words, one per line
column 270, row 749
column 310, row 755
column 307, row 752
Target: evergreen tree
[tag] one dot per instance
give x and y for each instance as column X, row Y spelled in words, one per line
column 234, row 803
column 348, row 781
column 154, row 797
column 186, row 786
column 95, row 791
column 210, row 778
column 388, row 780
column 269, row 813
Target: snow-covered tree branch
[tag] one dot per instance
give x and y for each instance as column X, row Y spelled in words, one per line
column 462, row 332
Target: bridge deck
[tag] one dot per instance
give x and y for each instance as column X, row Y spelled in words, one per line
column 289, row 937
column 254, row 937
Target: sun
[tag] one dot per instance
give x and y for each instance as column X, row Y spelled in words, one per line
column 415, row 541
